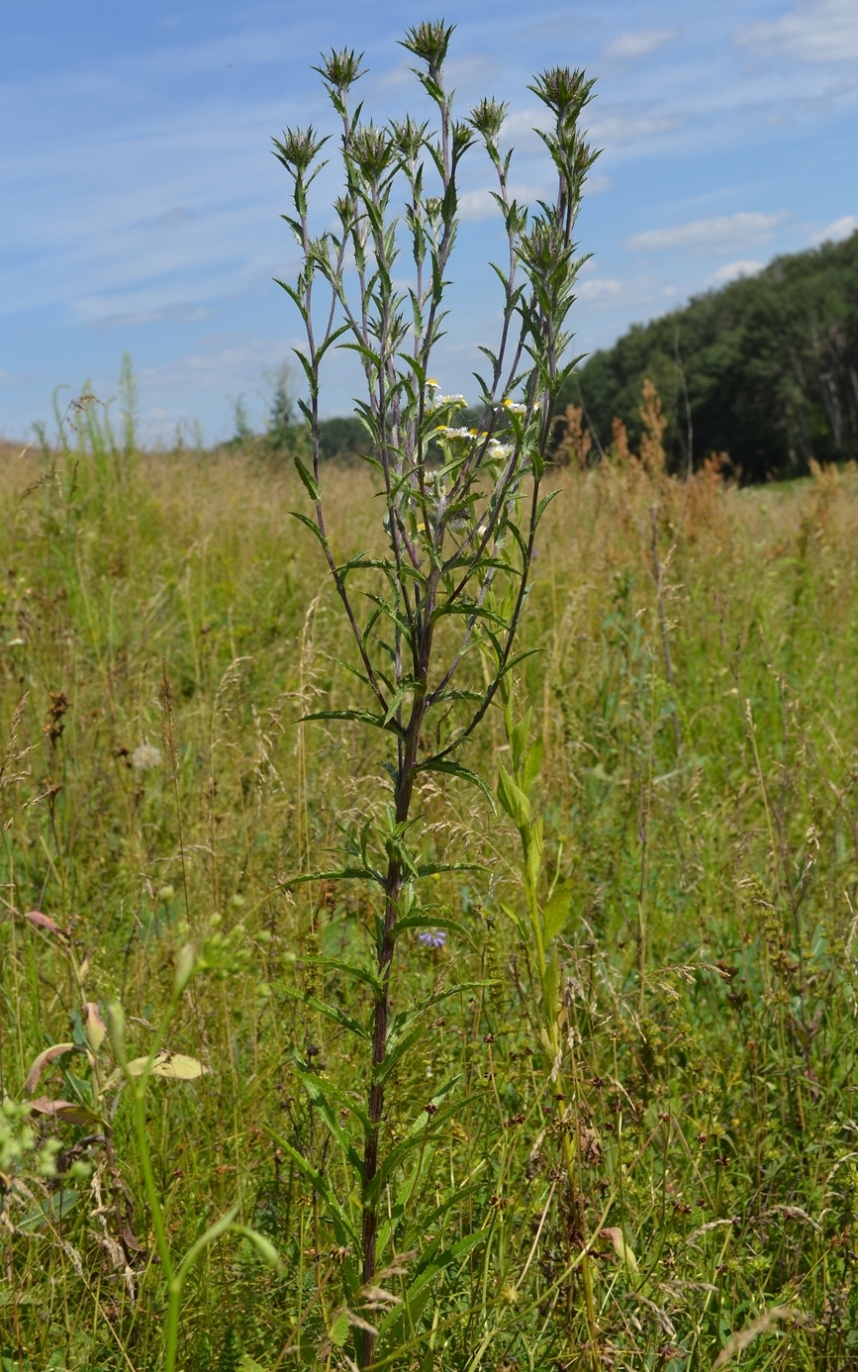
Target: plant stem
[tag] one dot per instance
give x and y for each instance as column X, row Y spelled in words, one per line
column 381, row 1014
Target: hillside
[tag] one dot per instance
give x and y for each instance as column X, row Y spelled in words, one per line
column 770, row 365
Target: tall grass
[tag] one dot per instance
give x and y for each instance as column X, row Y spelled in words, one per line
column 705, row 966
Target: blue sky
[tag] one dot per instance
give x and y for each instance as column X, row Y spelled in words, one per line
column 142, row 202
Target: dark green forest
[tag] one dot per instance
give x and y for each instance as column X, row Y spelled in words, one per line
column 766, row 369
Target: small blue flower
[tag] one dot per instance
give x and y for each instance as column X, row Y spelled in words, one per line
column 433, row 938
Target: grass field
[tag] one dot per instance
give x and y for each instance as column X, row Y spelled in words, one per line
column 165, row 624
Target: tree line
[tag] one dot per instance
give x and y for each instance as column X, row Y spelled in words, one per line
column 764, row 369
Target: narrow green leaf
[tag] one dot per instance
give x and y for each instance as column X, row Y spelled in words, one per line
column 308, row 480
column 398, row 1323
column 311, row 525
column 320, row 1186
column 317, row 1096
column 454, row 769
column 361, row 974
column 332, row 1012
column 358, row 717
column 338, row 874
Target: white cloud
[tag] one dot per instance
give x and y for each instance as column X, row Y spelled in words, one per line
column 599, row 288
column 834, row 232
column 639, row 43
column 815, row 31
column 595, row 185
column 479, row 204
column 731, row 271
column 722, row 233
column 610, row 131
column 224, row 364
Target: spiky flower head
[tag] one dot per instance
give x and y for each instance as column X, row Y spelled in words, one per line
column 341, row 69
column 298, row 149
column 565, row 92
column 429, row 42
column 487, row 118
column 372, row 149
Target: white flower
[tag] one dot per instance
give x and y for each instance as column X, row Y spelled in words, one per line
column 457, row 400
column 146, row 756
column 446, row 432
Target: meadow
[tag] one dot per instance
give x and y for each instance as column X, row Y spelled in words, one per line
column 166, row 624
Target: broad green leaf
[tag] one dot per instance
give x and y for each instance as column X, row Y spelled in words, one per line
column 514, row 916
column 532, row 764
column 556, row 912
column 50, row 1210
column 551, row 985
column 513, row 799
column 518, row 740
column 338, row 1330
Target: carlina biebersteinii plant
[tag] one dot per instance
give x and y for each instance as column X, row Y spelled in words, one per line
column 460, row 508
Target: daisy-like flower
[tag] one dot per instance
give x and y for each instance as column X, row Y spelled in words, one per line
column 513, row 407
column 447, row 432
column 457, row 400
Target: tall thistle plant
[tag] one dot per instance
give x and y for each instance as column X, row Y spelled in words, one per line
column 460, row 505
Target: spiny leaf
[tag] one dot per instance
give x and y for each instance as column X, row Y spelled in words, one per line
column 309, row 481
column 358, row 717
column 332, row 1012
column 455, row 769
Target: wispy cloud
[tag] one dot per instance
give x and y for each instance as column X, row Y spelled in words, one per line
column 598, row 288
column 639, row 43
column 480, row 203
column 816, row 31
column 722, row 233
column 841, row 228
column 731, row 271
column 620, row 128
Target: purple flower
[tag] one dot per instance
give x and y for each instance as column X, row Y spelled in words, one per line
column 432, row 938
